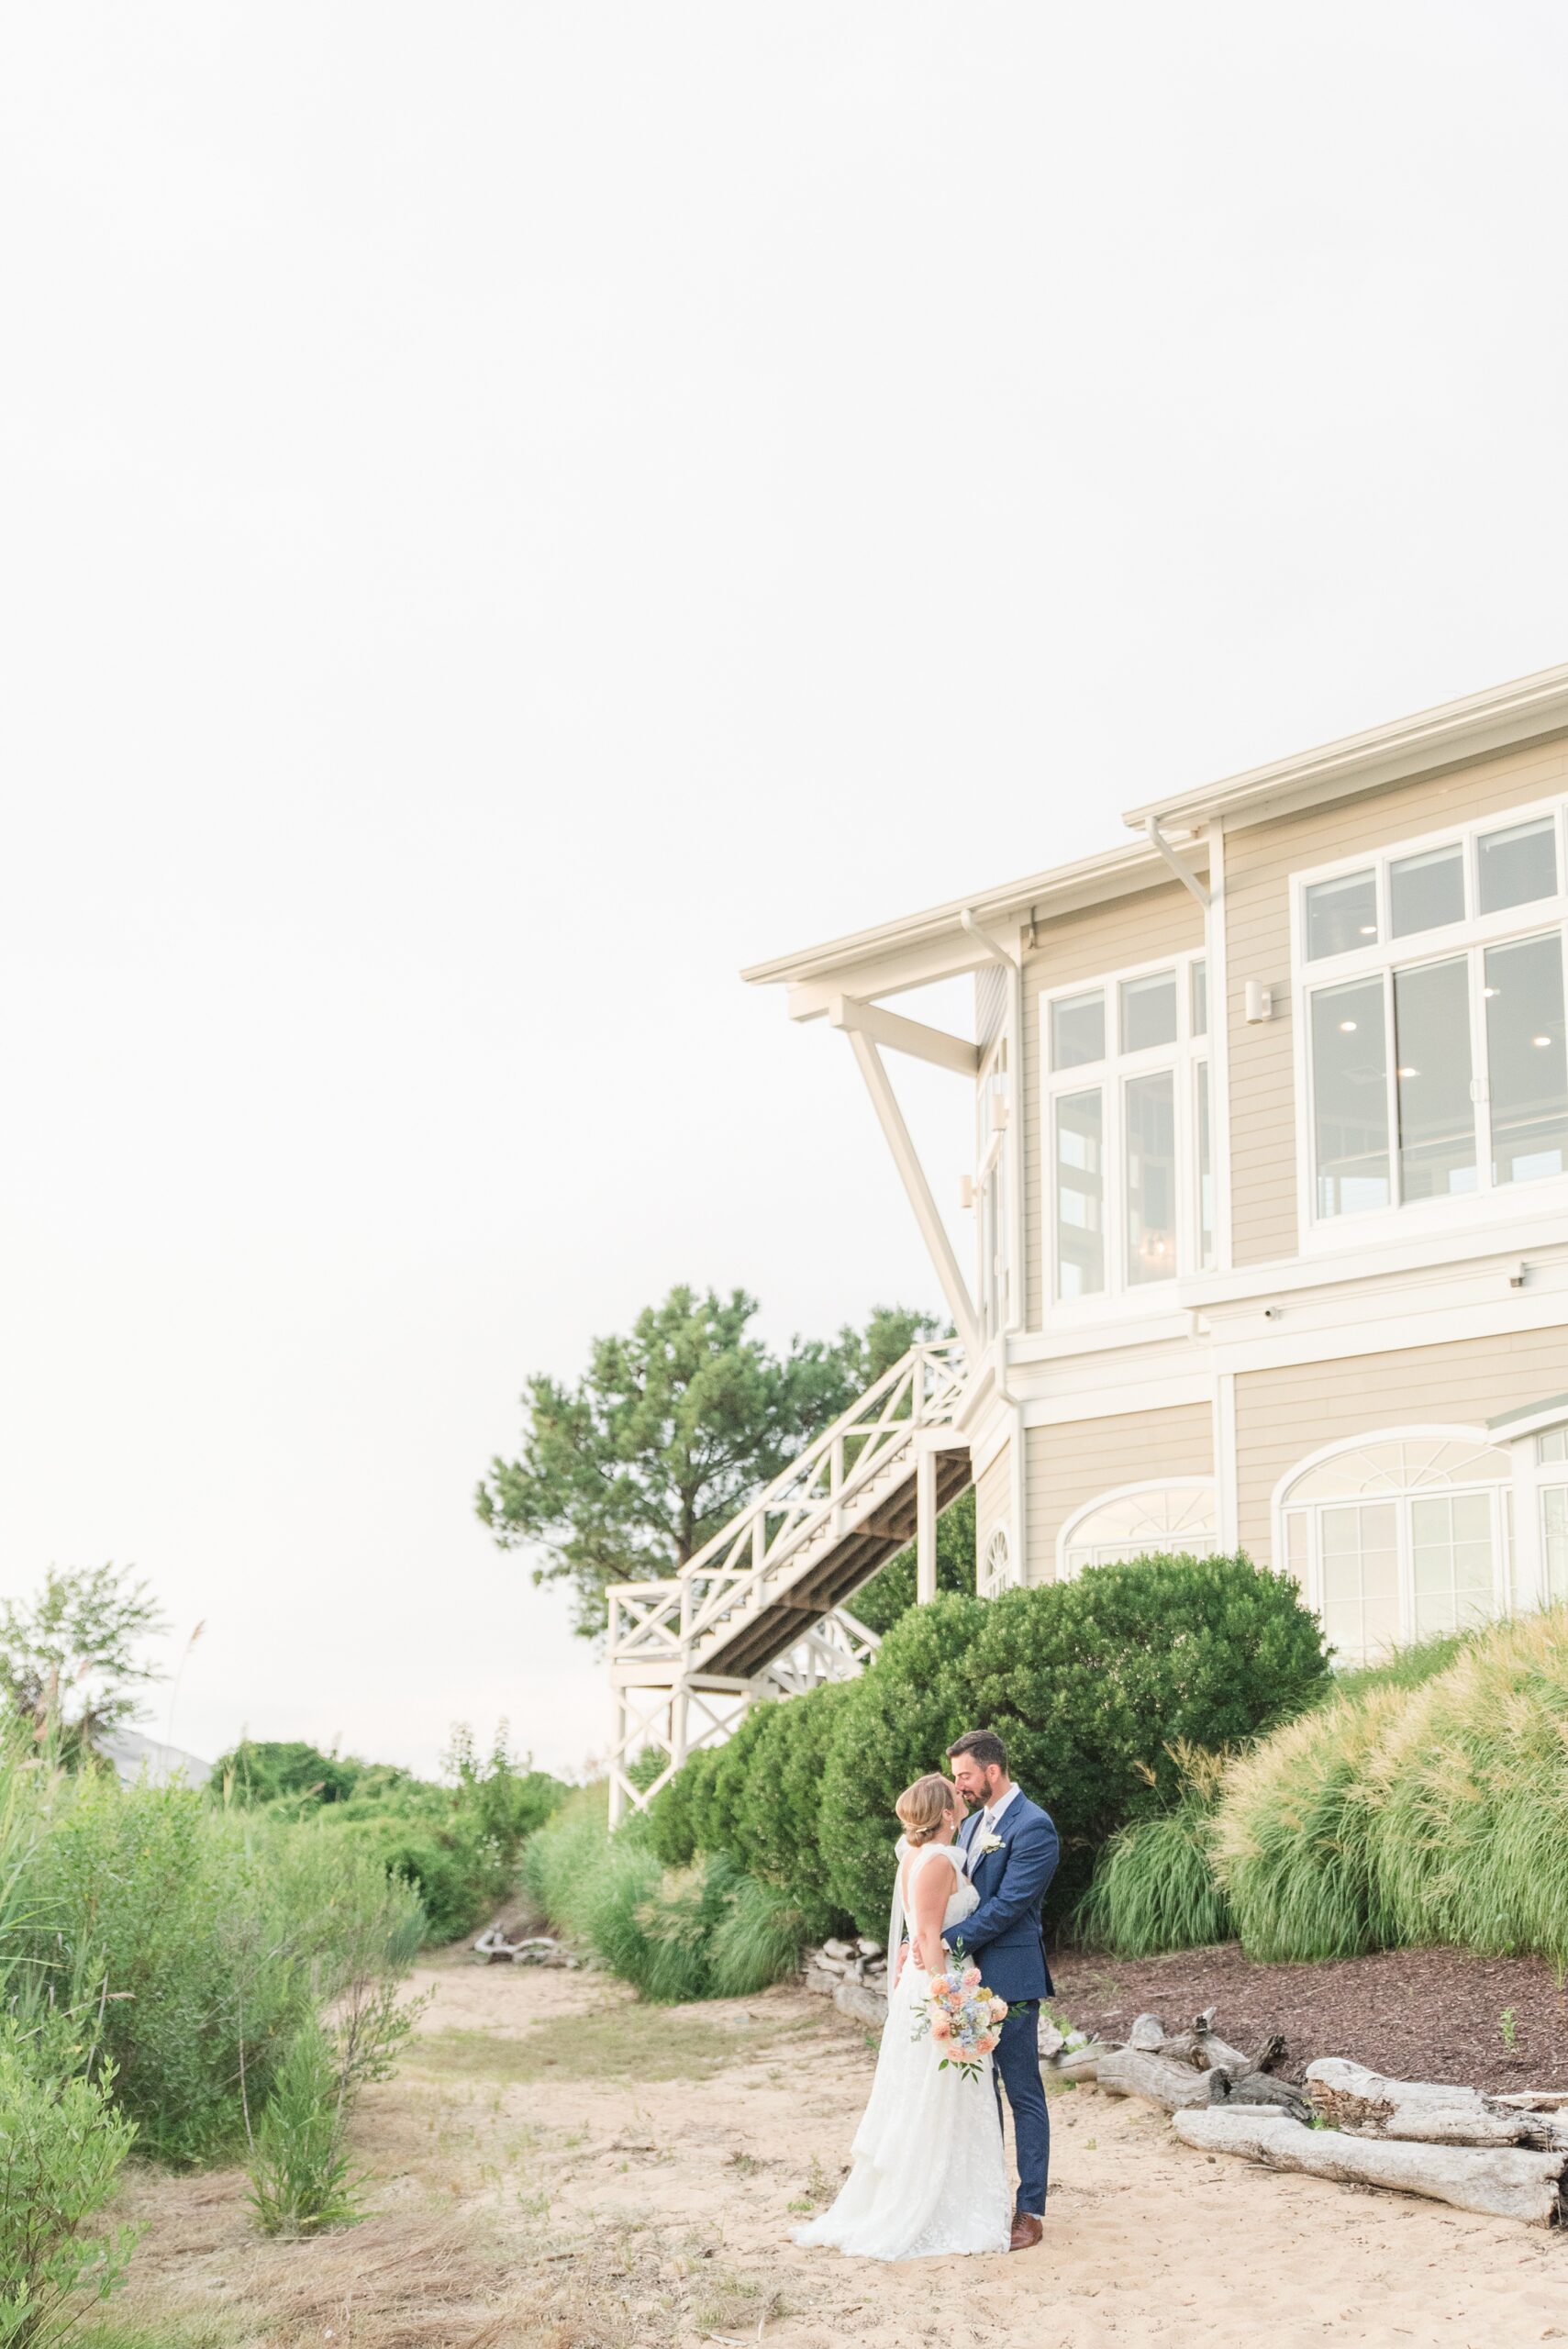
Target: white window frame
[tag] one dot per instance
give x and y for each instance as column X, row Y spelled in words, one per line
column 1433, row 1432
column 993, row 1163
column 1109, row 1076
column 1066, row 1539
column 992, row 1580
column 1505, row 1202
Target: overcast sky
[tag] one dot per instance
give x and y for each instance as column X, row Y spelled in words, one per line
column 514, row 511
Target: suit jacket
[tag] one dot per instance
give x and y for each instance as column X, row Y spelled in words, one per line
column 1004, row 1932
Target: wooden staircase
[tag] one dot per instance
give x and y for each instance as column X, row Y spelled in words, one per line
column 759, row 1611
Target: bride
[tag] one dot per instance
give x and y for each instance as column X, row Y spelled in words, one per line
column 928, row 2175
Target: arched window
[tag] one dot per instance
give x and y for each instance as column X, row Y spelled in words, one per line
column 1140, row 1521
column 997, row 1567
column 1399, row 1536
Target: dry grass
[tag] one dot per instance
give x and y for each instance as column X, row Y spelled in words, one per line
column 459, row 2253
column 617, row 2042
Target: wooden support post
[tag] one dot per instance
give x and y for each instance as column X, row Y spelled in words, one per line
column 925, row 1526
column 933, row 1232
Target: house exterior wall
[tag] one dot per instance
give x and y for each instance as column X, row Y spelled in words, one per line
column 1284, row 1415
column 1259, row 863
column 1082, row 947
column 994, row 1503
column 1070, row 1465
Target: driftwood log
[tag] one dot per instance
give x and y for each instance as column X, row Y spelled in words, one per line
column 1201, row 2046
column 1426, row 2112
column 1083, row 2062
column 1132, row 2071
column 1254, row 2088
column 1504, row 2182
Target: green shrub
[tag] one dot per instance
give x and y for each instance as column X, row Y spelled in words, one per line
column 674, row 1811
column 706, row 1930
column 61, row 2145
column 300, row 2177
column 897, row 1724
column 215, row 1935
column 780, row 1837
column 1155, row 1889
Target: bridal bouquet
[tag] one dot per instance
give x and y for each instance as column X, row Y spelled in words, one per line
column 961, row 2016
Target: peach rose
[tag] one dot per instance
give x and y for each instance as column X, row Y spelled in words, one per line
column 998, row 2011
column 984, row 2046
column 971, row 1976
column 940, row 2027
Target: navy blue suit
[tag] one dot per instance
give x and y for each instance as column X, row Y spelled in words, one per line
column 1002, row 1935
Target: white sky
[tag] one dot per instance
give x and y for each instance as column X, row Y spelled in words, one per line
column 511, row 512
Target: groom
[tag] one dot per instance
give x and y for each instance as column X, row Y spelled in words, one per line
column 1011, row 1850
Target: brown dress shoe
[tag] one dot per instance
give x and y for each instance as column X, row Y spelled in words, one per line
column 1027, row 2232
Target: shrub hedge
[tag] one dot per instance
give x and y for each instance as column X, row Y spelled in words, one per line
column 1091, row 1683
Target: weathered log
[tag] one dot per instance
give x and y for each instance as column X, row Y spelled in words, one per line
column 1425, row 2112
column 1133, row 2071
column 1535, row 2099
column 1255, row 2088
column 1205, row 2052
column 1148, row 2034
column 1504, row 2182
column 1083, row 2062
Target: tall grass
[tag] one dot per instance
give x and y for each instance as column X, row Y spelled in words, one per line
column 703, row 1932
column 1292, row 1834
column 1470, row 1790
column 1155, row 1888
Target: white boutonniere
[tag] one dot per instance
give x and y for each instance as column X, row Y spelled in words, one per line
column 985, row 1844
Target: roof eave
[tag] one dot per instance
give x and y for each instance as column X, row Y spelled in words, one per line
column 1500, row 718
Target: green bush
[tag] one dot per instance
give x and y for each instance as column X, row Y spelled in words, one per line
column 703, row 1930
column 674, row 1811
column 61, row 2145
column 879, row 1603
column 215, row 1935
column 301, row 2181
column 1155, row 1889
column 780, row 1839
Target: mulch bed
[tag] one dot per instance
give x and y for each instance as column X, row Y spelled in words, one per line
column 1414, row 2014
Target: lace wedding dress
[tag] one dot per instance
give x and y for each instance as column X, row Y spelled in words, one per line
column 929, row 2175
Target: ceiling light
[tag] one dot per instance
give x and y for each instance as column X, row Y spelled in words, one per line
column 1407, row 1072
column 1540, row 1042
column 1347, row 1027
column 1491, row 991
column 1369, row 929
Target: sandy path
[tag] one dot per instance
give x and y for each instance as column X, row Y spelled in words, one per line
column 1146, row 2241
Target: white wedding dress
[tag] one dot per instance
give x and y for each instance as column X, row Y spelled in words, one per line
column 929, row 2175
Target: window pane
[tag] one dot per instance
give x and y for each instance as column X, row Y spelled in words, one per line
column 1295, row 1545
column 1451, row 1544
column 1200, row 998
column 1350, row 1098
column 1342, row 914
column 1426, row 891
column 1554, row 1541
column 1527, row 1064
column 1148, row 1012
column 1205, row 1172
column 1078, row 1031
column 1360, row 1580
column 1080, row 1195
column 1519, row 865
column 1437, row 1116
column 1553, row 1444
column 1150, row 1155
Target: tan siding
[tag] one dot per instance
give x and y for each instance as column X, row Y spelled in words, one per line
column 1283, row 1416
column 1259, row 863
column 993, row 1503
column 990, row 1002
column 1066, row 1467
column 1090, row 945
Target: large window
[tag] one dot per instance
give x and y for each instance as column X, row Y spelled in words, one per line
column 1142, row 1521
column 1552, row 1456
column 1130, row 1144
column 1436, row 1055
column 1400, row 1538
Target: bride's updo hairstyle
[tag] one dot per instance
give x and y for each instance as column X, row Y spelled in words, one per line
column 923, row 1807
